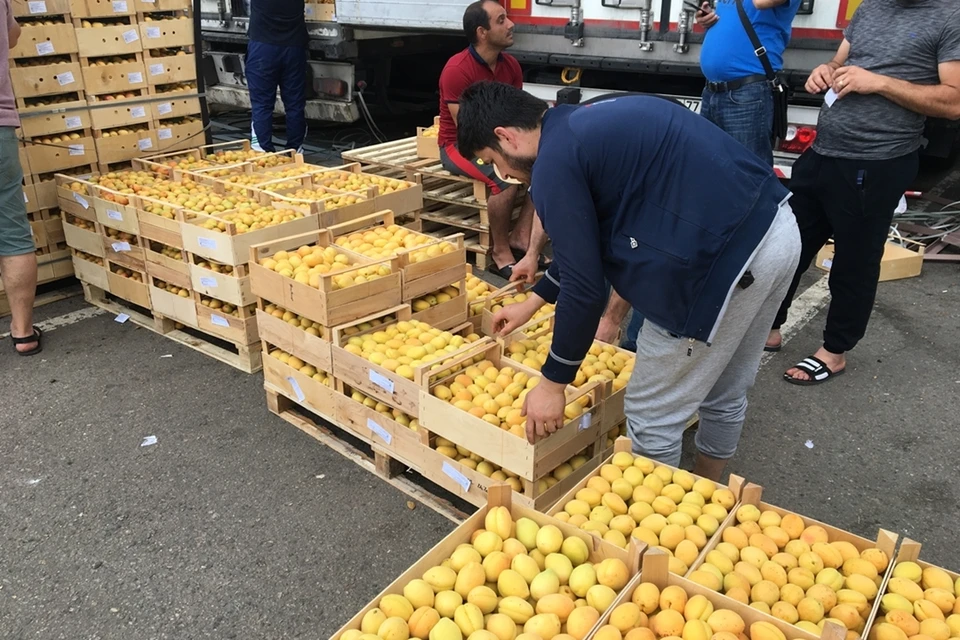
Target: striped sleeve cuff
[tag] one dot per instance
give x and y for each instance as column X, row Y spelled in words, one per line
column 548, row 287
column 560, row 370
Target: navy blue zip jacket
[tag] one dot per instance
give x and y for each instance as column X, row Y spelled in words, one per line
column 656, row 200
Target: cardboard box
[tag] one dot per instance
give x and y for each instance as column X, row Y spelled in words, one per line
column 897, row 263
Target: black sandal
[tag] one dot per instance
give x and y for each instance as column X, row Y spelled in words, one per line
column 773, row 348
column 505, row 272
column 542, row 261
column 814, row 367
column 37, row 335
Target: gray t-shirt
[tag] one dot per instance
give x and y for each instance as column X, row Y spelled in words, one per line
column 904, row 39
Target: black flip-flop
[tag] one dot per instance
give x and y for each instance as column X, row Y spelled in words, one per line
column 37, row 335
column 505, row 272
column 814, row 367
column 773, row 348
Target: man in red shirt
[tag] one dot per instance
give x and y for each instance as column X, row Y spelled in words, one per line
column 489, row 33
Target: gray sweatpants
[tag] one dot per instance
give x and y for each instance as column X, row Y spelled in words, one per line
column 674, row 377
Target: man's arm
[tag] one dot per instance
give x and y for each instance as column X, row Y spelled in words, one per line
column 526, row 268
column 768, row 4
column 452, row 83
column 821, row 78
column 935, row 101
column 612, row 318
column 13, row 28
column 454, row 109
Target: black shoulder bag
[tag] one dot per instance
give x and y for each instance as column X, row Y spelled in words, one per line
column 779, row 89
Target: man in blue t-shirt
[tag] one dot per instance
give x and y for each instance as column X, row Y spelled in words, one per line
column 737, row 97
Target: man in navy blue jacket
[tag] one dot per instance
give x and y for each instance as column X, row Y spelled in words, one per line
column 690, row 227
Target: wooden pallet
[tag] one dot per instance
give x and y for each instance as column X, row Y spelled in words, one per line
column 375, row 461
column 472, row 240
column 247, row 358
column 389, row 155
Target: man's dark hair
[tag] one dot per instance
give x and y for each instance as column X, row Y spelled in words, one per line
column 486, row 105
column 474, row 17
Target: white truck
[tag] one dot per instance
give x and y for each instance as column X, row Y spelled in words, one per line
column 571, row 49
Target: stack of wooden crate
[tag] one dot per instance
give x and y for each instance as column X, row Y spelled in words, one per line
column 98, row 83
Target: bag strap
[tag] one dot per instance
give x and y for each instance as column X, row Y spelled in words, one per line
column 758, row 48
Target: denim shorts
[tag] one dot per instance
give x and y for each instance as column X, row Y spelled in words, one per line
column 16, row 237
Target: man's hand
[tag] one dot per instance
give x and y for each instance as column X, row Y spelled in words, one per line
column 512, row 316
column 848, row 80
column 820, row 79
column 706, row 17
column 607, row 331
column 543, row 408
column 526, row 269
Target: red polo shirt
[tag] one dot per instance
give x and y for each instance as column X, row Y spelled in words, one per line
column 461, row 71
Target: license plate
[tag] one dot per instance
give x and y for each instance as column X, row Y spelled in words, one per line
column 690, row 103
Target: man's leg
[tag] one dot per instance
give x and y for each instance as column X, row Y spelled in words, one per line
column 724, row 409
column 806, row 186
column 746, row 114
column 18, row 262
column 523, row 228
column 293, row 92
column 500, row 203
column 629, row 341
column 673, row 376
column 860, row 201
column 263, row 75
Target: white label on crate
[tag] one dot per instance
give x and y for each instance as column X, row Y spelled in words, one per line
column 72, row 122
column 138, row 112
column 120, row 6
column 165, row 108
column 296, row 388
column 207, row 243
column 121, row 246
column 114, row 215
column 121, row 318
column 135, row 78
column 44, row 48
column 157, row 69
column 145, row 144
column 457, row 477
column 131, row 36
column 65, row 78
column 81, row 201
column 25, row 198
column 381, row 381
column 379, row 431
column 77, row 150
column 309, row 11
column 165, row 134
column 827, row 263
column 585, row 421
column 208, row 282
column 220, row 321
column 153, row 32
column 39, row 6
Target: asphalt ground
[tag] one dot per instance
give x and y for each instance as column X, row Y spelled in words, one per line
column 237, row 525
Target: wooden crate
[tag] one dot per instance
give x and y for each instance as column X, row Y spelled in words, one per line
column 498, row 496
column 407, row 199
column 234, row 248
column 101, row 8
column 149, row 6
column 250, row 174
column 174, row 106
column 513, row 453
column 114, row 78
column 376, row 381
column 127, row 288
column 444, row 315
column 119, row 113
column 47, row 80
column 325, row 305
column 327, row 208
column 116, row 210
column 127, row 253
column 234, row 288
column 36, row 8
column 165, row 34
column 295, row 341
column 240, row 329
column 83, row 239
column 157, row 227
column 90, row 272
column 654, row 570
column 495, row 298
column 40, row 122
column 305, row 390
column 427, row 145
column 45, row 40
column 317, row 12
column 172, row 137
column 51, row 158
column 76, row 203
column 163, row 267
column 113, row 40
column 910, row 552
column 125, row 147
column 168, row 305
column 751, row 494
column 170, row 69
column 419, row 278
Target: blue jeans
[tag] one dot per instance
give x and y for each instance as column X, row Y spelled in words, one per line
column 629, row 341
column 746, row 114
column 267, row 67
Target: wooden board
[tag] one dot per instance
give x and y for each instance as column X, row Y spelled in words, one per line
column 390, row 155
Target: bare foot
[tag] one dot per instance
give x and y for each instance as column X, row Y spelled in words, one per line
column 774, row 340
column 834, row 362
